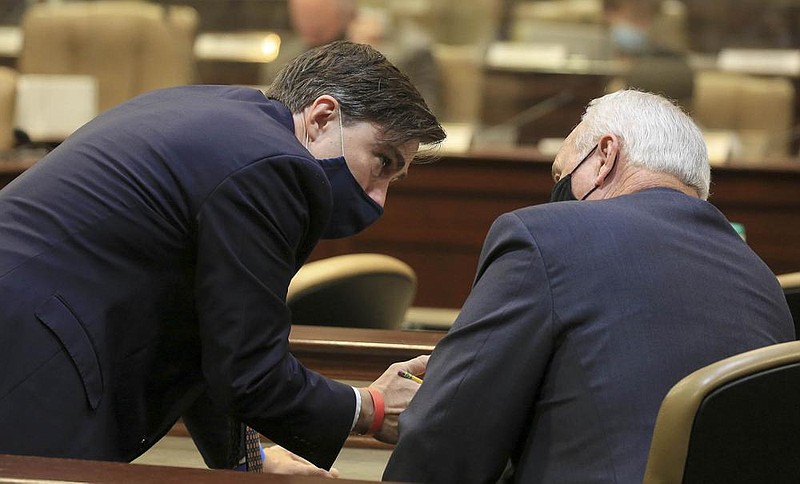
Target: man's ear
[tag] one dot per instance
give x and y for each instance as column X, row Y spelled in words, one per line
column 319, row 115
column 608, row 149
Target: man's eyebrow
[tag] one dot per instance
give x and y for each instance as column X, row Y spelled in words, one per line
column 395, row 154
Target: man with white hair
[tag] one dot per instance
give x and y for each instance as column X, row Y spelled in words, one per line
column 585, row 313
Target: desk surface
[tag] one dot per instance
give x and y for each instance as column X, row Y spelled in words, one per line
column 43, row 470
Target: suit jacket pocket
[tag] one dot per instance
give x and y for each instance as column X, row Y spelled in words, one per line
column 55, row 314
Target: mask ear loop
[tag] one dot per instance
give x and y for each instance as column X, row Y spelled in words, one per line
column 341, row 130
column 341, row 133
column 305, row 128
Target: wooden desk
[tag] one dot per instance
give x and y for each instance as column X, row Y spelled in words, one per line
column 352, row 354
column 45, row 470
column 507, row 92
column 357, row 354
column 11, row 166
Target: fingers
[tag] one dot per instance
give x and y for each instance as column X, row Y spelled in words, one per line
column 396, row 389
column 334, row 473
column 281, row 461
column 415, row 366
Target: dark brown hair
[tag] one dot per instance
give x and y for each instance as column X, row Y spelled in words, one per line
column 366, row 85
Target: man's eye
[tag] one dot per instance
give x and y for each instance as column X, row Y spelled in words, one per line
column 385, row 168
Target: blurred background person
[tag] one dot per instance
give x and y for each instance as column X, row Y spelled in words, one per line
column 642, row 36
column 318, row 22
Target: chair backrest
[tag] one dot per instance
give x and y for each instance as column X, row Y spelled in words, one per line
column 759, row 109
column 8, row 89
column 734, row 421
column 131, row 47
column 461, row 80
column 791, row 289
column 354, row 290
column 669, row 75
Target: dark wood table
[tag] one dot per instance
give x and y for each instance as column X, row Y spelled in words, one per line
column 44, row 470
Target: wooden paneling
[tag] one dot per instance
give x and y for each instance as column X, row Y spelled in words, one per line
column 437, row 219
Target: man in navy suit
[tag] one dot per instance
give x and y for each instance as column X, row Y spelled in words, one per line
column 584, row 313
column 144, row 263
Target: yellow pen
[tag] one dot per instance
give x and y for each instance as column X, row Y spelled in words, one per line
column 409, row 376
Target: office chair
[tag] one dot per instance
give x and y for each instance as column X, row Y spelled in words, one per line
column 791, row 289
column 8, row 89
column 354, row 290
column 130, row 47
column 734, row 421
column 759, row 110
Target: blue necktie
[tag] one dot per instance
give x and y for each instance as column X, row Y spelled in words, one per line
column 252, row 446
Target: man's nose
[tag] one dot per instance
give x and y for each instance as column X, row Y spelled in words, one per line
column 378, row 191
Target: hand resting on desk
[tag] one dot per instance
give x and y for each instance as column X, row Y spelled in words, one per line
column 280, row 461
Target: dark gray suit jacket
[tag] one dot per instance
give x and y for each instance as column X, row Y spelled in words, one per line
column 582, row 316
column 144, row 264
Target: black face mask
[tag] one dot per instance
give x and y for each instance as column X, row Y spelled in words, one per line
column 562, row 191
column 353, row 209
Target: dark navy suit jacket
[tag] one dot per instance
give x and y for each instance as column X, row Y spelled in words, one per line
column 583, row 315
column 144, row 264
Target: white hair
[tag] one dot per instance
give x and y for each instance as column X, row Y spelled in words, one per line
column 654, row 134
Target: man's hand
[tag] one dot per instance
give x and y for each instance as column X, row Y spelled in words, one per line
column 397, row 393
column 280, row 461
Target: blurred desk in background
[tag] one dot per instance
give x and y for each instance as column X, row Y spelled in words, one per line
column 234, row 57
column 13, row 163
column 534, row 92
column 436, row 220
column 10, row 45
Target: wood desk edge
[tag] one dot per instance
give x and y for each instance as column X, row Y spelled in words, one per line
column 333, row 337
column 21, row 468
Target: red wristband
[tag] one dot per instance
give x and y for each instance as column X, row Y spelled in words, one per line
column 377, row 416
